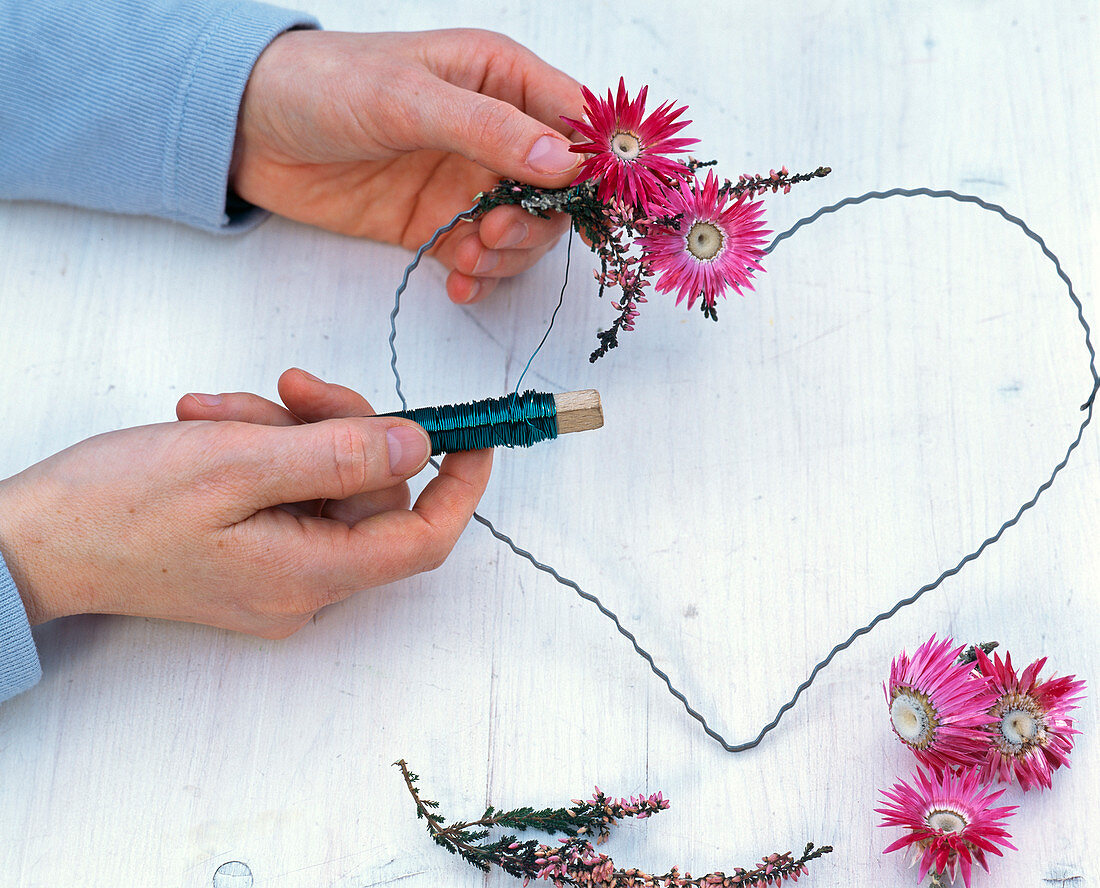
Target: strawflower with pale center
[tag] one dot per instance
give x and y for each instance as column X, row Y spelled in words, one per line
column 1031, row 731
column 711, row 242
column 937, row 707
column 628, row 150
column 950, row 821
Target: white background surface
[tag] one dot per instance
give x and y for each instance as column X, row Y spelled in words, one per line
column 904, row 377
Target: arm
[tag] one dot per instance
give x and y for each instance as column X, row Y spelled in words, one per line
column 253, row 522
column 140, row 106
column 19, row 667
column 129, row 105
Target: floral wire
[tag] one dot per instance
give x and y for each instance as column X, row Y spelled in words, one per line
column 553, row 317
column 464, row 216
column 1087, row 407
column 549, row 327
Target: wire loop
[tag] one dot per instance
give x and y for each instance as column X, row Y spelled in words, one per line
column 1087, row 407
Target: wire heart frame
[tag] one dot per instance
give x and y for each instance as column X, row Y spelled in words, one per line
column 1087, row 408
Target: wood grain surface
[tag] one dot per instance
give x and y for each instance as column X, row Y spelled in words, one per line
column 904, row 376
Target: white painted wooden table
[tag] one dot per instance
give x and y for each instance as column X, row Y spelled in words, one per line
column 904, row 377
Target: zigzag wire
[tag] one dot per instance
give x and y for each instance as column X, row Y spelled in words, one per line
column 1087, row 407
column 464, row 216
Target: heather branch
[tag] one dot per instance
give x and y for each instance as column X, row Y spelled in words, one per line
column 575, row 861
column 774, row 182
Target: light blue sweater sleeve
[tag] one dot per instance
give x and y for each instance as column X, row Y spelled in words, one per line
column 19, row 667
column 129, row 105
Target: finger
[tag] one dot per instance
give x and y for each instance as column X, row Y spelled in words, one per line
column 399, row 544
column 472, row 258
column 235, row 406
column 354, row 509
column 496, row 65
column 463, row 289
column 503, row 228
column 513, row 228
column 499, row 137
column 332, row 459
column 432, row 112
column 312, row 399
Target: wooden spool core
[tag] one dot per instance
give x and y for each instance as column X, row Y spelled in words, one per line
column 578, row 411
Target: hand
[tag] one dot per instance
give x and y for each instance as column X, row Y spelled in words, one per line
column 252, row 524
column 388, row 136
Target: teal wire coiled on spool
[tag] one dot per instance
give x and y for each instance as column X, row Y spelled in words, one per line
column 511, row 421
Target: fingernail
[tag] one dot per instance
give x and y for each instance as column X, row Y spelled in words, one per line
column 472, row 295
column 551, row 154
column 513, row 235
column 309, row 375
column 408, row 448
column 488, row 260
column 207, row 400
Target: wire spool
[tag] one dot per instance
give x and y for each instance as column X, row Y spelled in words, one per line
column 512, row 421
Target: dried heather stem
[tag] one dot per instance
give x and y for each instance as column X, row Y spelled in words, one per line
column 575, row 861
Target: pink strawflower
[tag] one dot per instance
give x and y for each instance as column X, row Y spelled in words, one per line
column 715, row 243
column 628, row 149
column 950, row 821
column 1031, row 731
column 937, row 707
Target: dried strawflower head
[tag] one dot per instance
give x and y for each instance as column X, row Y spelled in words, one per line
column 937, row 708
column 628, row 149
column 710, row 242
column 950, row 821
column 1031, row 731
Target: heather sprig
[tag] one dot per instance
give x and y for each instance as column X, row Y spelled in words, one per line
column 758, row 186
column 574, row 860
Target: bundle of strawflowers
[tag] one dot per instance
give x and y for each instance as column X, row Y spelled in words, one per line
column 647, row 215
column 971, row 721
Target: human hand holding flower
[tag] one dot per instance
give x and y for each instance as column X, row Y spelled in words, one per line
column 388, row 136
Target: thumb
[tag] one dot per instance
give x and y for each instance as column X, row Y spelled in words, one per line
column 332, row 459
column 498, row 136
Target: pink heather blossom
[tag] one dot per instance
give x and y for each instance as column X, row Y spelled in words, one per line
column 950, row 821
column 628, row 150
column 938, row 708
column 715, row 243
column 1030, row 732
